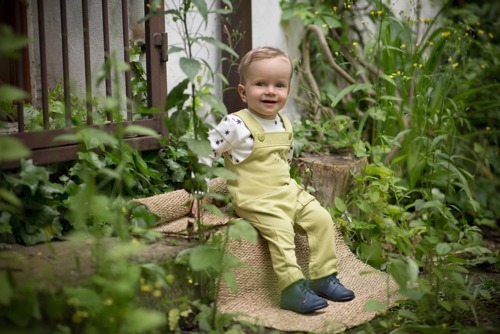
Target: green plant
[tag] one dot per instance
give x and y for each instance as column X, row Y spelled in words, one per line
column 408, row 85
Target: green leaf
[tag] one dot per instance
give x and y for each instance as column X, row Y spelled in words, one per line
column 12, row 149
column 190, row 67
column 349, row 89
column 10, row 94
column 242, row 229
column 177, row 97
column 93, row 138
column 230, row 279
column 178, row 122
column 215, row 102
column 226, row 174
column 6, row 291
column 203, row 257
column 141, row 131
column 443, row 248
column 374, row 305
column 218, row 44
column 339, row 204
column 199, row 147
column 202, row 8
column 84, row 297
column 141, row 320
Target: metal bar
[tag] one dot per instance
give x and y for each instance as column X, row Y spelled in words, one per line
column 70, row 152
column 43, row 64
column 45, row 139
column 19, row 73
column 155, row 68
column 105, row 28
column 64, row 40
column 88, row 70
column 239, row 20
column 126, row 58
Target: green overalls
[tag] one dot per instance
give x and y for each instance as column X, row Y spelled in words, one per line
column 265, row 195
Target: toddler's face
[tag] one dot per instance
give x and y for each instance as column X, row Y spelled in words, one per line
column 266, row 87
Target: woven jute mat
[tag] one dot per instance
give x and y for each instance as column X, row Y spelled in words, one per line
column 257, row 299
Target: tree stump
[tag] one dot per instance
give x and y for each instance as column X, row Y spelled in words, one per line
column 330, row 175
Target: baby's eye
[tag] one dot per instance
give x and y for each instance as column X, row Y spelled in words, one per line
column 280, row 85
column 260, row 84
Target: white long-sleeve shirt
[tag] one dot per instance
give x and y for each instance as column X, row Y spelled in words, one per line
column 232, row 136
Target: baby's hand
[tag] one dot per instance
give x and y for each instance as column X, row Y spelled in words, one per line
column 196, row 209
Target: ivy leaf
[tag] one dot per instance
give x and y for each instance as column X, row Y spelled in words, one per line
column 231, row 281
column 190, row 67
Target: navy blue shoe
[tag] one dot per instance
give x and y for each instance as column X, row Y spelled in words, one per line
column 329, row 287
column 298, row 297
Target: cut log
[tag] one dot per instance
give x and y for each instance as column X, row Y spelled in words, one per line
column 330, row 175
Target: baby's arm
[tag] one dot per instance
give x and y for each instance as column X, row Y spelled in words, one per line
column 227, row 136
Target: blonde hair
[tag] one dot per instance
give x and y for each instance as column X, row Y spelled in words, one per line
column 264, row 52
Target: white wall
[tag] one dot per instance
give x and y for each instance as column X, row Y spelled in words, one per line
column 205, row 52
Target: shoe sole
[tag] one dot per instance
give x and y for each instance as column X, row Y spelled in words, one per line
column 336, row 300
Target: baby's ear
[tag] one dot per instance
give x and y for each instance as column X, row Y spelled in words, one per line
column 242, row 92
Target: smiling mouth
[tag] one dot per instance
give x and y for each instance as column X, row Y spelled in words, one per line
column 270, row 102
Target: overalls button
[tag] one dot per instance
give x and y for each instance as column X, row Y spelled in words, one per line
column 261, row 136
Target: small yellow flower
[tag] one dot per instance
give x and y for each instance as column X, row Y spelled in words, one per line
column 108, row 302
column 445, row 34
column 490, row 35
column 379, row 12
column 427, row 20
column 417, row 45
column 334, row 9
column 455, row 65
column 488, row 128
column 158, row 284
column 483, row 66
column 157, row 293
column 363, row 22
column 403, row 46
column 325, row 25
column 354, row 43
column 372, row 12
column 336, row 53
column 415, row 64
column 348, row 6
column 449, row 59
column 478, row 23
column 480, row 32
column 420, row 65
column 146, row 288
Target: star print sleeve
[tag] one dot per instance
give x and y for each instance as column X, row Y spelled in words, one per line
column 228, row 135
